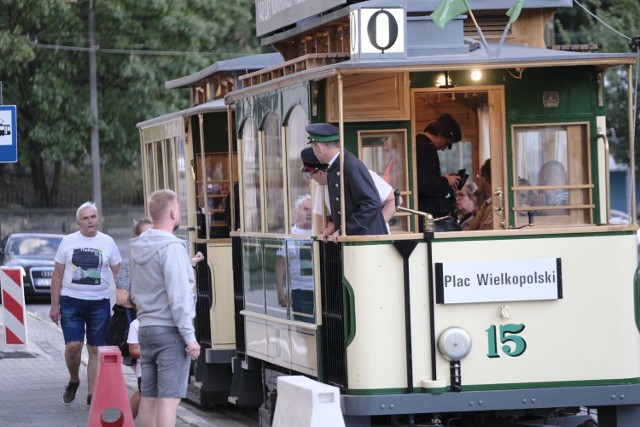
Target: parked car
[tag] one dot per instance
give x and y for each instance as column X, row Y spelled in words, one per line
column 35, row 253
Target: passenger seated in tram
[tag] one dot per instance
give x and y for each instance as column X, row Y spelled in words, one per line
column 553, row 173
column 466, row 204
column 484, row 218
column 314, row 169
column 436, row 193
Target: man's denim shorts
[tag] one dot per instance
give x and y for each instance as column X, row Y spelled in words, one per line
column 75, row 314
column 165, row 363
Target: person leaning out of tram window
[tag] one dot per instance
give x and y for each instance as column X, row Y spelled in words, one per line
column 363, row 214
column 436, row 193
column 484, row 218
column 466, row 204
column 313, row 169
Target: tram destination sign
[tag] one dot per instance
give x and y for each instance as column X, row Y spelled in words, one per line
column 273, row 15
column 498, row 280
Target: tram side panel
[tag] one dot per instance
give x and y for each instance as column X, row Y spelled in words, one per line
column 588, row 336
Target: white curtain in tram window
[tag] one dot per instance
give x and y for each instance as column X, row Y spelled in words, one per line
column 251, row 177
column 536, row 146
column 529, row 154
column 274, row 173
column 484, row 143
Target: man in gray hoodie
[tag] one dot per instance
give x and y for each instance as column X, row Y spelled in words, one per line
column 162, row 282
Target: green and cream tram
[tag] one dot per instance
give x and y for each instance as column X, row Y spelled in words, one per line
column 526, row 321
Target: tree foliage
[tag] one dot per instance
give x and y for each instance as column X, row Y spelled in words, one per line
column 619, row 21
column 141, row 45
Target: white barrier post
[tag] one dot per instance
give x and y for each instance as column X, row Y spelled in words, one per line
column 303, row 402
column 14, row 312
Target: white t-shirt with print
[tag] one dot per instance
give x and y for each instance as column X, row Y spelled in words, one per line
column 87, row 262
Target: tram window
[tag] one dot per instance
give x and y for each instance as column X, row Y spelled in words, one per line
column 160, row 163
column 254, row 263
column 171, row 161
column 384, row 152
column 151, row 182
column 296, row 141
column 274, row 174
column 552, row 177
column 252, row 214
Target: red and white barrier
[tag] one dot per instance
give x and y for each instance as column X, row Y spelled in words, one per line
column 14, row 311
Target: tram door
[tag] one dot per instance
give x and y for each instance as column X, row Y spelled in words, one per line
column 480, row 113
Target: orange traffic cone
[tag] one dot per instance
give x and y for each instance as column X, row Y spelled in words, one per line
column 110, row 392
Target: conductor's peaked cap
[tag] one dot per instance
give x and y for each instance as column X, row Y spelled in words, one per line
column 323, row 132
column 452, row 128
column 310, row 161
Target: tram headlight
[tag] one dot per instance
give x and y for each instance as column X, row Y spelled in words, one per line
column 454, row 343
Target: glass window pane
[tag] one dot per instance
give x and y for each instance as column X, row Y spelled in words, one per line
column 384, row 153
column 160, row 164
column 274, row 183
column 300, row 254
column 252, row 263
column 180, row 165
column 276, row 278
column 296, row 138
column 171, row 162
column 551, row 161
column 251, row 177
column 151, row 185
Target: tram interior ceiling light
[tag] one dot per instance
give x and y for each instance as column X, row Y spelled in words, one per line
column 444, row 82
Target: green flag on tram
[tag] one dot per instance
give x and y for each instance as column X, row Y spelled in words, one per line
column 447, row 10
column 514, row 11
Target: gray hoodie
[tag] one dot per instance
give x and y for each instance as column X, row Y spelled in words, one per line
column 162, row 282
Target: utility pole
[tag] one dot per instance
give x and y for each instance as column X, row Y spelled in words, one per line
column 93, row 88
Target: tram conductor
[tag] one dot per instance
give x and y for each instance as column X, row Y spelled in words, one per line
column 436, row 193
column 363, row 214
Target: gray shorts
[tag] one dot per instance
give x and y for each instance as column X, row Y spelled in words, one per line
column 164, row 361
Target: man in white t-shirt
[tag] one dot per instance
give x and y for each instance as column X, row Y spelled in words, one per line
column 80, row 294
column 318, row 172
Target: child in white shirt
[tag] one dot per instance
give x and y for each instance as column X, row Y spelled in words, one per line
column 134, row 352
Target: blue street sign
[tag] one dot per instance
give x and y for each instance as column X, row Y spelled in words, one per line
column 8, row 134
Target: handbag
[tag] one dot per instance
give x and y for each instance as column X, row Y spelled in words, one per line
column 118, row 331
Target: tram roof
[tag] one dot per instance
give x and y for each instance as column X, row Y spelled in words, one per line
column 214, row 106
column 510, row 56
column 243, row 64
column 325, row 12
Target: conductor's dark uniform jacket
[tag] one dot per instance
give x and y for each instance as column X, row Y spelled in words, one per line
column 434, row 193
column 362, row 200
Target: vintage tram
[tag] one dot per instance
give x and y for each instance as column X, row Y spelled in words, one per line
column 522, row 324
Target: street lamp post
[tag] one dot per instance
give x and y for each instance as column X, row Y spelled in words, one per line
column 93, row 90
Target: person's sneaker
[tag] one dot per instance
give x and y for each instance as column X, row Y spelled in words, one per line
column 88, row 400
column 70, row 393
